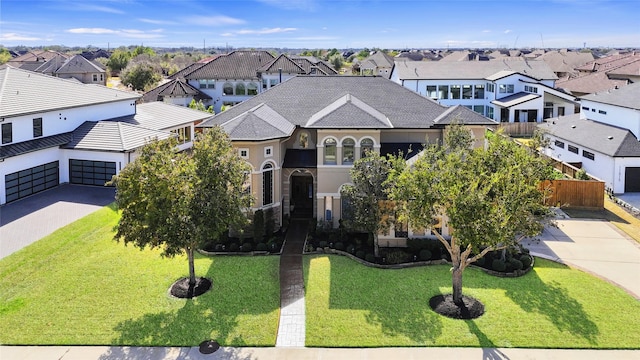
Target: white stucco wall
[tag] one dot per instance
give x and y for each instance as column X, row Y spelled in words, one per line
column 615, row 115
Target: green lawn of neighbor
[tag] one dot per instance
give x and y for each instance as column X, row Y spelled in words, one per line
column 79, row 286
column 553, row 306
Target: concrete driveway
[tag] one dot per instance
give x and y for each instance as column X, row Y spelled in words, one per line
column 28, row 220
column 594, row 246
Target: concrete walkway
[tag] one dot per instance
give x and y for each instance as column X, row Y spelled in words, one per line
column 30, row 219
column 291, row 329
column 594, row 246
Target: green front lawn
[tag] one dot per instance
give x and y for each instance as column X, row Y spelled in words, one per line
column 78, row 286
column 350, row 305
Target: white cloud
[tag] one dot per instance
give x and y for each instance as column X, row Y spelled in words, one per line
column 217, row 20
column 94, row 31
column 508, row 31
column 17, row 37
column 157, row 22
column 486, row 31
column 128, row 33
column 265, row 31
column 98, row 8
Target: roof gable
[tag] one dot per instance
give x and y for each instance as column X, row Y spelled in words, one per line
column 258, row 123
column 625, row 96
column 349, row 112
column 78, row 64
column 235, row 65
column 284, row 64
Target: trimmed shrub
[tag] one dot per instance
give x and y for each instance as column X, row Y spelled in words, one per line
column 261, row 247
column 425, row 255
column 274, row 247
column 234, row 247
column 218, row 247
column 370, row 258
column 481, row 261
column 397, row 257
column 246, row 247
column 526, row 261
column 323, row 244
column 269, row 222
column 339, row 246
column 351, row 249
column 517, row 264
column 258, row 226
column 498, row 265
column 360, row 254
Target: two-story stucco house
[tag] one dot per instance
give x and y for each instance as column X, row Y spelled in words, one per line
column 506, row 91
column 302, row 137
column 603, row 139
column 57, row 131
column 229, row 79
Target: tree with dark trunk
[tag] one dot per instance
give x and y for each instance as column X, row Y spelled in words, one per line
column 490, row 196
column 179, row 200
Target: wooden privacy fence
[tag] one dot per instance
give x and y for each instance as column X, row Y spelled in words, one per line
column 518, row 128
column 585, row 194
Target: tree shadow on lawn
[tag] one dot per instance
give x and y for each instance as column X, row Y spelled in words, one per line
column 553, row 301
column 399, row 310
column 210, row 316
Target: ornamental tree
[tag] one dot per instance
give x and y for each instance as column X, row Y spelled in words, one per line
column 490, row 195
column 176, row 201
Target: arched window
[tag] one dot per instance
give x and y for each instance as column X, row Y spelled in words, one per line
column 330, row 151
column 366, row 145
column 252, row 89
column 348, row 151
column 240, row 89
column 267, row 184
column 227, row 89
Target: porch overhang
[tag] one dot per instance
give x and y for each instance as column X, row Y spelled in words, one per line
column 515, row 99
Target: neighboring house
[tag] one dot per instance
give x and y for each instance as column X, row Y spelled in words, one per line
column 503, row 90
column 603, row 74
column 61, row 131
column 77, row 67
column 302, row 137
column 564, row 63
column 379, row 63
column 603, row 139
column 33, row 59
column 177, row 92
column 229, row 79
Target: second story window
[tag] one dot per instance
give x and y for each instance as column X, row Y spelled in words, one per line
column 505, row 88
column 37, row 127
column 7, row 133
column 227, row 89
column 348, row 151
column 366, row 145
column 330, row 151
column 240, row 89
column 252, row 89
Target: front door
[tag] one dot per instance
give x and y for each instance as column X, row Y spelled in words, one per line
column 302, row 196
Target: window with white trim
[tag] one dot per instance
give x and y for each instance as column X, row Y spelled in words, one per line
column 589, row 155
column 240, row 89
column 572, row 149
column 559, row 144
column 366, row 145
column 505, row 88
column 348, row 151
column 244, row 153
column 330, row 151
column 267, row 184
column 491, row 87
column 7, row 133
column 268, row 151
column 227, row 89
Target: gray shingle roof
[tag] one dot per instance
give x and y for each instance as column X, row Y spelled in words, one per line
column 78, row 64
column 258, row 123
column 415, row 70
column 24, row 92
column 302, row 99
column 626, row 96
column 603, row 138
column 114, row 136
column 235, row 65
column 175, row 87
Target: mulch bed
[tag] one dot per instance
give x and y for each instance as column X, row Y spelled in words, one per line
column 444, row 305
column 182, row 290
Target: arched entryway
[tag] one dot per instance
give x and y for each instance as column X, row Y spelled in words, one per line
column 301, row 195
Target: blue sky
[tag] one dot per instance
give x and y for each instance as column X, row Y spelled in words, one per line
column 321, row 23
